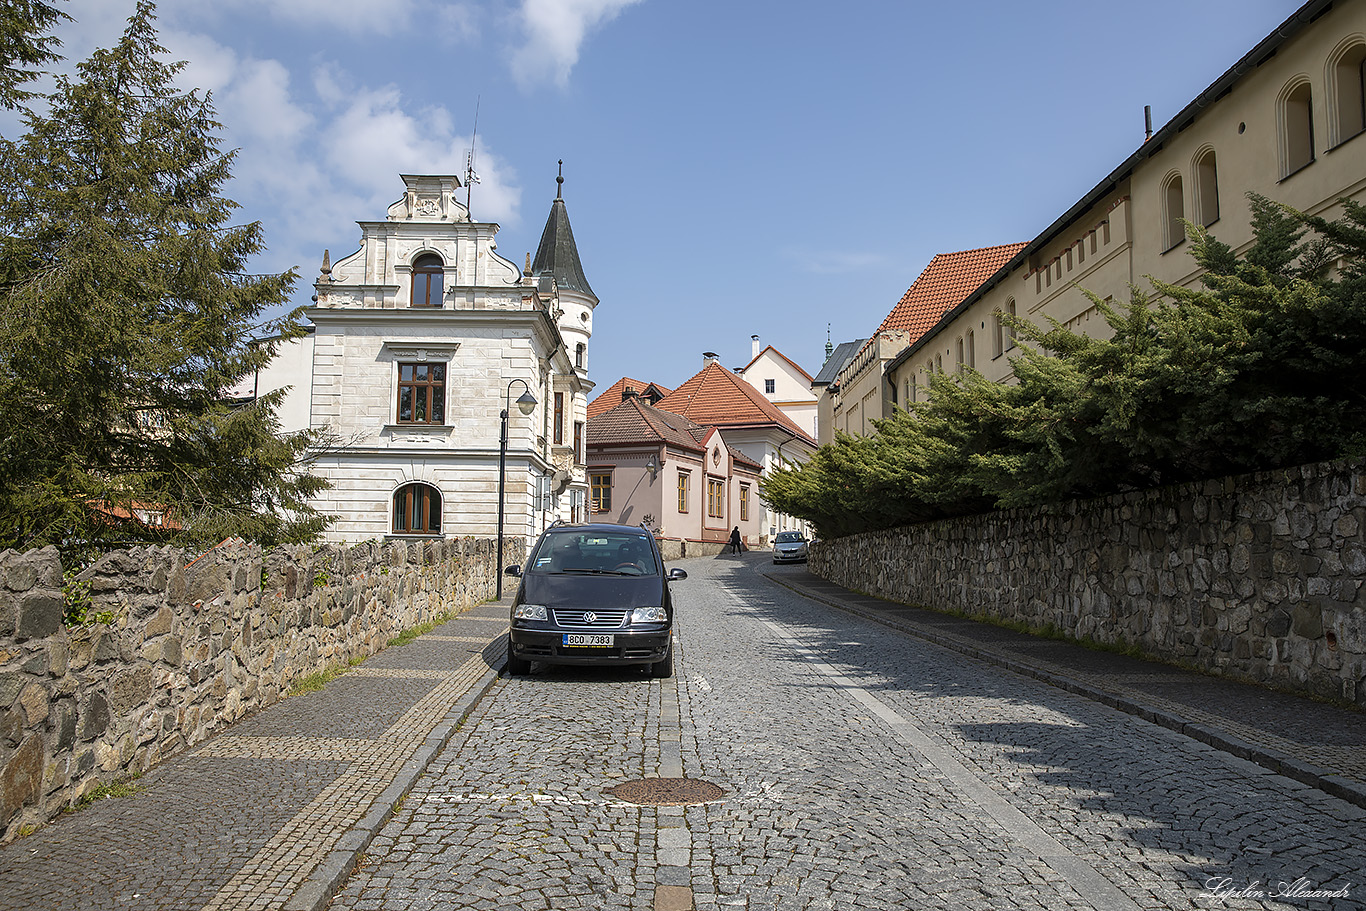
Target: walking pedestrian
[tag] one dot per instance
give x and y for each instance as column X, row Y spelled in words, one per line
column 735, row 543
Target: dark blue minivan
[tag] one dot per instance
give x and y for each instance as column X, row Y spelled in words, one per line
column 593, row 595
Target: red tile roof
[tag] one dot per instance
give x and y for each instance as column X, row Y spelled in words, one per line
column 716, row 397
column 611, row 396
column 946, row 281
column 635, row 421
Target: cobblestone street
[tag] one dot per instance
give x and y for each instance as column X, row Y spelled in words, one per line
column 863, row 769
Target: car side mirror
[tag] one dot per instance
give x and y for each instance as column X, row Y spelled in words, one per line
column 513, row 570
column 675, row 574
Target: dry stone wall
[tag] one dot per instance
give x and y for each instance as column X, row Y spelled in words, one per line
column 176, row 647
column 1257, row 577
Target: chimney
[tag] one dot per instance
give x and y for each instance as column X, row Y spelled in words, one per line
column 627, row 393
column 753, row 347
column 708, row 357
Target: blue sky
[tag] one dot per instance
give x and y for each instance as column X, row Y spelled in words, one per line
column 731, row 168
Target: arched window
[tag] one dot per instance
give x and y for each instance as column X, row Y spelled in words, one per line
column 1173, row 212
column 427, row 274
column 1348, row 81
column 580, row 356
column 1010, row 330
column 1297, row 129
column 417, row 510
column 1207, row 189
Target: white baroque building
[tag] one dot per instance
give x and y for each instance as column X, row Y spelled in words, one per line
column 420, row 340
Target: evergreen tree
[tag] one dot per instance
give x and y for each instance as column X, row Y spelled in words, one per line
column 1258, row 367
column 24, row 46
column 126, row 316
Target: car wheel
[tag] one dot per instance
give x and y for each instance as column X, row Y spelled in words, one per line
column 664, row 669
column 517, row 667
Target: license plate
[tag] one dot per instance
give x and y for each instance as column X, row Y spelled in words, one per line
column 580, row 639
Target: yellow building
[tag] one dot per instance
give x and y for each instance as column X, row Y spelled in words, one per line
column 1286, row 121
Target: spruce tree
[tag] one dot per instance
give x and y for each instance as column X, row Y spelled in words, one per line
column 1258, row 366
column 127, row 315
column 25, row 46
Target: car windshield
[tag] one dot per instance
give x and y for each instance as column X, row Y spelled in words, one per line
column 622, row 553
column 789, row 537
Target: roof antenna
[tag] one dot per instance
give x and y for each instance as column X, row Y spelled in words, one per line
column 471, row 178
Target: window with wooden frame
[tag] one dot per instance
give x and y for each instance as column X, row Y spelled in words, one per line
column 559, row 419
column 601, row 487
column 417, row 510
column 421, row 394
column 428, row 271
column 684, row 482
column 716, row 498
column 744, row 502
column 578, row 443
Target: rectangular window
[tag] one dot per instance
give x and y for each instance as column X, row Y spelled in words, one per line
column 744, row 502
column 578, row 443
column 683, row 480
column 602, row 492
column 421, row 393
column 559, row 419
column 716, row 498
column 770, row 386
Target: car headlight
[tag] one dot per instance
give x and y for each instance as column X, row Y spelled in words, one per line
column 530, row 612
column 649, row 615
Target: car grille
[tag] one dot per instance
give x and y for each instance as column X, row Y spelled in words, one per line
column 602, row 619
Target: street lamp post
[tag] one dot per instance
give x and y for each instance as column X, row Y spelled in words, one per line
column 526, row 403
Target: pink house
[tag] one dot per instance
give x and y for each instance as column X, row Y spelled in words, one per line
column 680, row 479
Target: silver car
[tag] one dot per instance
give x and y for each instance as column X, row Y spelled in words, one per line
column 789, row 547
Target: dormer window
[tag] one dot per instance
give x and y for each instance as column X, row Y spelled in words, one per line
column 427, row 281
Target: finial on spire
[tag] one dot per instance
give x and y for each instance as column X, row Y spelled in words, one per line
column 559, row 181
column 829, row 348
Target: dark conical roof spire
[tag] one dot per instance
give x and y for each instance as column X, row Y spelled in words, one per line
column 557, row 255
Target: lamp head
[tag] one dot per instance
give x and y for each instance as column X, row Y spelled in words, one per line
column 526, row 402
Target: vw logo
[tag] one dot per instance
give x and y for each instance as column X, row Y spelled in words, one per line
column 590, row 617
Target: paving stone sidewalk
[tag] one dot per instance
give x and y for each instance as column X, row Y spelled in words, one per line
column 273, row 812
column 1312, row 742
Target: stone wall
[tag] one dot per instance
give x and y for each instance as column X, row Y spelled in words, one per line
column 681, row 548
column 176, row 647
column 1257, row 577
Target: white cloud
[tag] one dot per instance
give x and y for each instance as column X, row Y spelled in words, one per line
column 555, row 32
column 373, row 139
column 361, row 17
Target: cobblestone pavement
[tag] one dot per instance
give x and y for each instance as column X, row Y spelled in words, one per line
column 272, row 812
column 865, row 769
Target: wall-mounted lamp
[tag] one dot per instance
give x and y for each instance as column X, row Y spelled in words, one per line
column 652, row 466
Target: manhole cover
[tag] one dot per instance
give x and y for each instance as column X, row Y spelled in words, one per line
column 667, row 792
